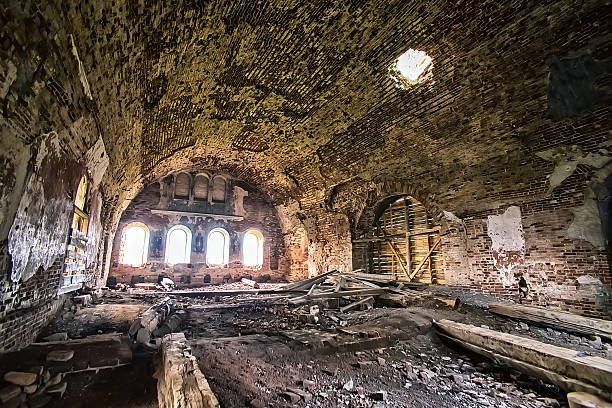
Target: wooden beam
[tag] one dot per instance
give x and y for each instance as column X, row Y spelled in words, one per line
column 356, row 304
column 556, row 319
column 308, row 282
column 418, row 269
column 393, row 249
column 348, row 293
column 411, row 234
column 407, row 231
column 569, row 367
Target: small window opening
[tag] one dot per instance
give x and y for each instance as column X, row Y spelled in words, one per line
column 252, row 248
column 178, row 245
column 135, row 245
column 411, row 68
column 217, row 248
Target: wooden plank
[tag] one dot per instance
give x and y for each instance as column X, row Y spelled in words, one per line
column 407, row 231
column 374, row 277
column 356, row 304
column 390, row 244
column 416, row 271
column 595, row 371
column 400, row 235
column 308, row 282
column 553, row 318
column 347, row 293
column 563, row 382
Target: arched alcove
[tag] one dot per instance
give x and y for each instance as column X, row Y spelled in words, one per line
column 252, row 248
column 134, row 244
column 178, row 245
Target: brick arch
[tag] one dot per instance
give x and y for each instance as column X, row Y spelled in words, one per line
column 379, row 196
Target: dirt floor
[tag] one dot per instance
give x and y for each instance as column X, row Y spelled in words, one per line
column 253, row 351
column 261, row 351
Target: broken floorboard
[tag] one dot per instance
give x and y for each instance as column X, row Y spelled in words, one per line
column 555, row 319
column 213, row 293
column 566, row 368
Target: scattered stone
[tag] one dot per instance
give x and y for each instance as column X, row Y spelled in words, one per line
column 20, row 378
column 330, row 371
column 427, row 374
column 348, row 386
column 314, row 310
column 381, row 361
column 379, row 396
column 308, row 384
column 290, row 397
column 30, row 389
column 56, row 379
column 60, row 355
column 360, row 391
column 57, row 337
column 58, row 389
column 524, row 326
column 457, row 378
column 306, row 396
column 9, row 392
column 257, row 403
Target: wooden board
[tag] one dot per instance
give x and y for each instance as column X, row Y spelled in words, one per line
column 553, row 318
column 590, row 370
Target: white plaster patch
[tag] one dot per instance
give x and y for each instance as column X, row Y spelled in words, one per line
column 508, row 242
column 588, row 280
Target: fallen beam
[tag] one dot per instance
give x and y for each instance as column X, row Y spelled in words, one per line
column 555, row 319
column 566, row 368
column 180, row 383
column 356, row 304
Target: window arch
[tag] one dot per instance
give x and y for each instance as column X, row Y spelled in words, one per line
column 182, row 185
column 407, row 244
column 218, row 193
column 252, row 248
column 200, row 187
column 134, row 244
column 217, row 247
column 178, row 245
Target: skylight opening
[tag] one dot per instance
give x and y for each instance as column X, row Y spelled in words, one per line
column 411, row 68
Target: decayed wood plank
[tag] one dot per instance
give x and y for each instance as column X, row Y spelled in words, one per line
column 356, row 304
column 554, row 318
column 418, row 269
column 595, row 371
column 389, row 242
column 375, row 277
column 563, row 382
column 400, row 235
column 306, row 283
column 358, row 292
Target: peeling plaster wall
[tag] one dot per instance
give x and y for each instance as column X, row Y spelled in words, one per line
column 507, row 242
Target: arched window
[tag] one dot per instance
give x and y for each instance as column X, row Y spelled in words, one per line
column 217, row 247
column 252, row 248
column 200, row 188
column 134, row 244
column 218, row 194
column 181, row 185
column 178, row 245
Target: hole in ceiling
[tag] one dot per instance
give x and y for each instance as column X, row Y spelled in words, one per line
column 411, row 68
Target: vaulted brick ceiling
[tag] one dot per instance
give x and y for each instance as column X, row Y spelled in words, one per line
column 295, row 96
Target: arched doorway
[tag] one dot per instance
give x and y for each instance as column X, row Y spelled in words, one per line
column 405, row 243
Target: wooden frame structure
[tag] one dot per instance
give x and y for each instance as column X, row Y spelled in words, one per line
column 404, row 244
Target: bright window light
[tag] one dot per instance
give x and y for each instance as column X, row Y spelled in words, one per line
column 135, row 246
column 412, row 67
column 178, row 245
column 217, row 248
column 252, row 248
